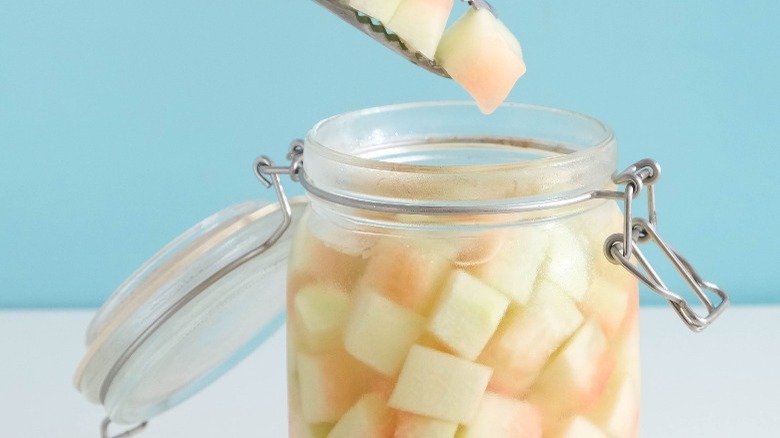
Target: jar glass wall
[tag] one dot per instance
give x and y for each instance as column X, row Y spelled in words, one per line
column 474, row 305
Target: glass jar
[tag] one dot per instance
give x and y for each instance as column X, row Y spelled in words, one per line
column 448, row 273
column 442, row 281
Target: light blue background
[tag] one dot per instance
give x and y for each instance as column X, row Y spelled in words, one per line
column 123, row 123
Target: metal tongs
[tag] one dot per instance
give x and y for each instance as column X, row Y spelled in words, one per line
column 377, row 30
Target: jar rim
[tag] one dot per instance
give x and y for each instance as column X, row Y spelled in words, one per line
column 314, row 139
column 446, row 156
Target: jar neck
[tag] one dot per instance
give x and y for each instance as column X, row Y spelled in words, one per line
column 443, row 155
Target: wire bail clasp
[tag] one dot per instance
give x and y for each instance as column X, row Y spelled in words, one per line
column 268, row 174
column 620, row 248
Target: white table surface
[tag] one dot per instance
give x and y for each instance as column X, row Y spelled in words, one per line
column 724, row 382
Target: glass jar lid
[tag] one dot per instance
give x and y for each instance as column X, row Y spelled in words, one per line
column 189, row 314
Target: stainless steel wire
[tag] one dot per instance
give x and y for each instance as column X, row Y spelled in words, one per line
column 379, row 32
column 619, row 248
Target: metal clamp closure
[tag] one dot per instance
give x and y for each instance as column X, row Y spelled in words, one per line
column 619, row 249
column 268, row 174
